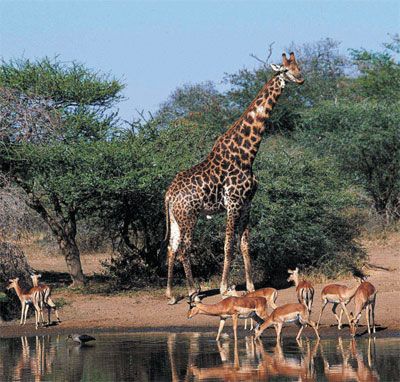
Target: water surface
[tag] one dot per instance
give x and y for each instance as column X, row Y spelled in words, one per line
column 197, row 356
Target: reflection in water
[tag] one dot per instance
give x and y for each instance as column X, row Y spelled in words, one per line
column 259, row 365
column 197, row 356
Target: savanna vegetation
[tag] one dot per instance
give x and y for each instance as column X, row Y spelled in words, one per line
column 329, row 163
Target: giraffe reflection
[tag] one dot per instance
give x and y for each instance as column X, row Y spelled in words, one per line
column 259, row 365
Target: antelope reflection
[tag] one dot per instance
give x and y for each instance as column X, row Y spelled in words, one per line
column 37, row 362
column 259, row 365
column 345, row 371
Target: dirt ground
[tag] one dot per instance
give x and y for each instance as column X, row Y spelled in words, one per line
column 148, row 310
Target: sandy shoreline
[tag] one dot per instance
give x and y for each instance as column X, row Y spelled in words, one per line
column 147, row 311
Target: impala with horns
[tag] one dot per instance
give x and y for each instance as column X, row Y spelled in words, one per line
column 296, row 313
column 270, row 294
column 32, row 297
column 337, row 294
column 364, row 298
column 235, row 307
column 304, row 289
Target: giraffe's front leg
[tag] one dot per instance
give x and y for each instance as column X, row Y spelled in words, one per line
column 244, row 234
column 228, row 249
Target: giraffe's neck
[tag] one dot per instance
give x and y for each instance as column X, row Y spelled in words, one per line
column 243, row 139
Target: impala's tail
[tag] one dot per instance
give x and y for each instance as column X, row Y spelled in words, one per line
column 307, row 296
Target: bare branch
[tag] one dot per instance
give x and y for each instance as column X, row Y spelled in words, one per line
column 266, row 61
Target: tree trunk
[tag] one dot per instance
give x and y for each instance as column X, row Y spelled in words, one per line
column 63, row 226
column 71, row 253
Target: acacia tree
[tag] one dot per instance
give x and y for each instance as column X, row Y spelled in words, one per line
column 55, row 173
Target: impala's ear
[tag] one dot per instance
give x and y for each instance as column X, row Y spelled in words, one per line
column 297, row 269
column 276, row 68
column 292, row 57
column 290, row 271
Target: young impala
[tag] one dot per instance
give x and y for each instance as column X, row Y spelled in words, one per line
column 304, row 289
column 297, row 313
column 234, row 307
column 32, row 297
column 270, row 294
column 364, row 298
column 46, row 290
column 337, row 295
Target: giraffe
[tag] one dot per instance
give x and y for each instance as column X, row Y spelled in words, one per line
column 223, row 181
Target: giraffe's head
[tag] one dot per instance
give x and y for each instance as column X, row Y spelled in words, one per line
column 289, row 70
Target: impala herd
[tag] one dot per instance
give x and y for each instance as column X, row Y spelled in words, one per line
column 235, row 305
column 254, row 305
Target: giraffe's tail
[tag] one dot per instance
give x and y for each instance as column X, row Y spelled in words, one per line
column 167, row 222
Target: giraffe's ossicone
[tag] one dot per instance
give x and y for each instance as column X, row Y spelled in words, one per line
column 224, row 181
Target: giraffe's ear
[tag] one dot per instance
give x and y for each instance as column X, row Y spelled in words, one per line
column 276, row 68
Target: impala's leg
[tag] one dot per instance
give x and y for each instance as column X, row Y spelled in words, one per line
column 22, row 313
column 262, row 328
column 235, row 325
column 300, row 331
column 373, row 314
column 244, row 234
column 314, row 326
column 221, row 326
column 26, row 312
column 278, row 331
column 245, row 324
column 345, row 311
column 367, row 310
column 338, row 318
column 324, row 302
column 54, row 307
column 251, row 324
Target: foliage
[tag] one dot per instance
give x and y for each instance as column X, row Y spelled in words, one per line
column 365, row 139
column 13, row 263
column 300, row 212
column 67, row 98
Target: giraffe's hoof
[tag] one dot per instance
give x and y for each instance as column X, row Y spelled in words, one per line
column 172, row 301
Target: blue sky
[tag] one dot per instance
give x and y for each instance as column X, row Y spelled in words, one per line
column 155, row 46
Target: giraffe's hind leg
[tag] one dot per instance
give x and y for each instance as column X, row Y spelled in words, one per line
column 179, row 244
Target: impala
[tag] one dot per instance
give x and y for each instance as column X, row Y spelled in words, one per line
column 32, row 297
column 297, row 313
column 304, row 289
column 46, row 290
column 364, row 298
column 234, row 307
column 337, row 295
column 270, row 294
